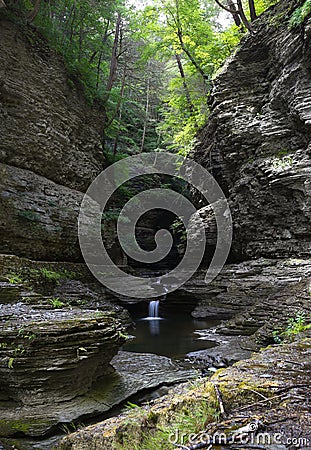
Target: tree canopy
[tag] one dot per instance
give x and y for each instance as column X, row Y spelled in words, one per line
column 150, row 68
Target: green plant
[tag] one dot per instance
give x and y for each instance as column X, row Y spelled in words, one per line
column 71, row 427
column 188, row 420
column 51, row 275
column 123, row 336
column 56, row 302
column 10, row 363
column 26, row 334
column 300, row 14
column 52, row 203
column 13, row 278
column 295, row 325
column 282, row 163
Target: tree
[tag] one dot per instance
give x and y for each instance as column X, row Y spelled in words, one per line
column 238, row 12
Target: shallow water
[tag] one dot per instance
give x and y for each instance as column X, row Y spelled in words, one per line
column 172, row 335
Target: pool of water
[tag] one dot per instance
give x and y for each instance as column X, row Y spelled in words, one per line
column 171, row 336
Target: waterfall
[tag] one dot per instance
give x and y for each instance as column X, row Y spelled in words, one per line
column 154, row 309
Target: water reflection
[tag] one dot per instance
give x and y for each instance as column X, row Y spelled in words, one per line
column 171, row 336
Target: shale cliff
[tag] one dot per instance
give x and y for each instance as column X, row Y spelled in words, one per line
column 257, row 140
column 50, row 148
column 58, row 331
column 257, row 144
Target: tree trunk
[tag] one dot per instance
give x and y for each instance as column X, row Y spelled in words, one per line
column 244, row 19
column 98, row 69
column 111, row 79
column 33, row 14
column 239, row 11
column 2, row 4
column 146, row 112
column 114, row 57
column 252, row 10
column 184, row 47
column 186, row 89
column 235, row 15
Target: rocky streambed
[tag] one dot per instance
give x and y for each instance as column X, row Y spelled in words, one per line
column 266, row 397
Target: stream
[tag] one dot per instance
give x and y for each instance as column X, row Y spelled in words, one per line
column 168, row 334
column 160, row 332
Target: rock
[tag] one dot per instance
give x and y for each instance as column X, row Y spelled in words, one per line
column 51, row 358
column 280, row 374
column 228, row 351
column 46, row 124
column 130, row 373
column 257, row 140
column 255, row 295
column 42, row 216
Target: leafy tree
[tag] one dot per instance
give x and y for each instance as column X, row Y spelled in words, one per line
column 151, row 69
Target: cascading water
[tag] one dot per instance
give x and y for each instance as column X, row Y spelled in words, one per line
column 153, row 317
column 154, row 309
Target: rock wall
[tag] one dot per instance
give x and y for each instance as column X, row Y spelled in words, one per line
column 257, row 140
column 58, row 328
column 50, row 148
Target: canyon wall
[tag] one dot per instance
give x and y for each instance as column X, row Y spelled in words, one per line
column 257, row 140
column 50, row 148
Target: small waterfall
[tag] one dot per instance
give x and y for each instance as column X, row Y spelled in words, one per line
column 154, row 309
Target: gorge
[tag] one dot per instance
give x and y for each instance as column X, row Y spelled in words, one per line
column 66, row 357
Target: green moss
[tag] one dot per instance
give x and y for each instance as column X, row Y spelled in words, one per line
column 9, row 427
column 147, row 429
column 300, row 14
column 29, row 215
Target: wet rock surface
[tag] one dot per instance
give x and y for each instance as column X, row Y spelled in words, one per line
column 229, row 350
column 271, row 390
column 50, row 358
column 253, row 297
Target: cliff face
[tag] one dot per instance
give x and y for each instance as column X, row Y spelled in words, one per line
column 58, row 331
column 50, row 148
column 257, row 140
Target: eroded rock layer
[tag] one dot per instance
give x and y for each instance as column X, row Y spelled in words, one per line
column 257, row 140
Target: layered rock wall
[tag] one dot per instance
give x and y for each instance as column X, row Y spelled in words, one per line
column 50, row 148
column 257, row 140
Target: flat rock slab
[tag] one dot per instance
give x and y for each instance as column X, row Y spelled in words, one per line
column 272, row 388
column 134, row 372
column 228, row 351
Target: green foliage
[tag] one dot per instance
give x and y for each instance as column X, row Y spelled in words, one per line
column 187, row 31
column 188, row 420
column 282, row 163
column 53, row 276
column 56, row 302
column 300, row 14
column 10, row 363
column 295, row 325
column 153, row 86
column 14, row 278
